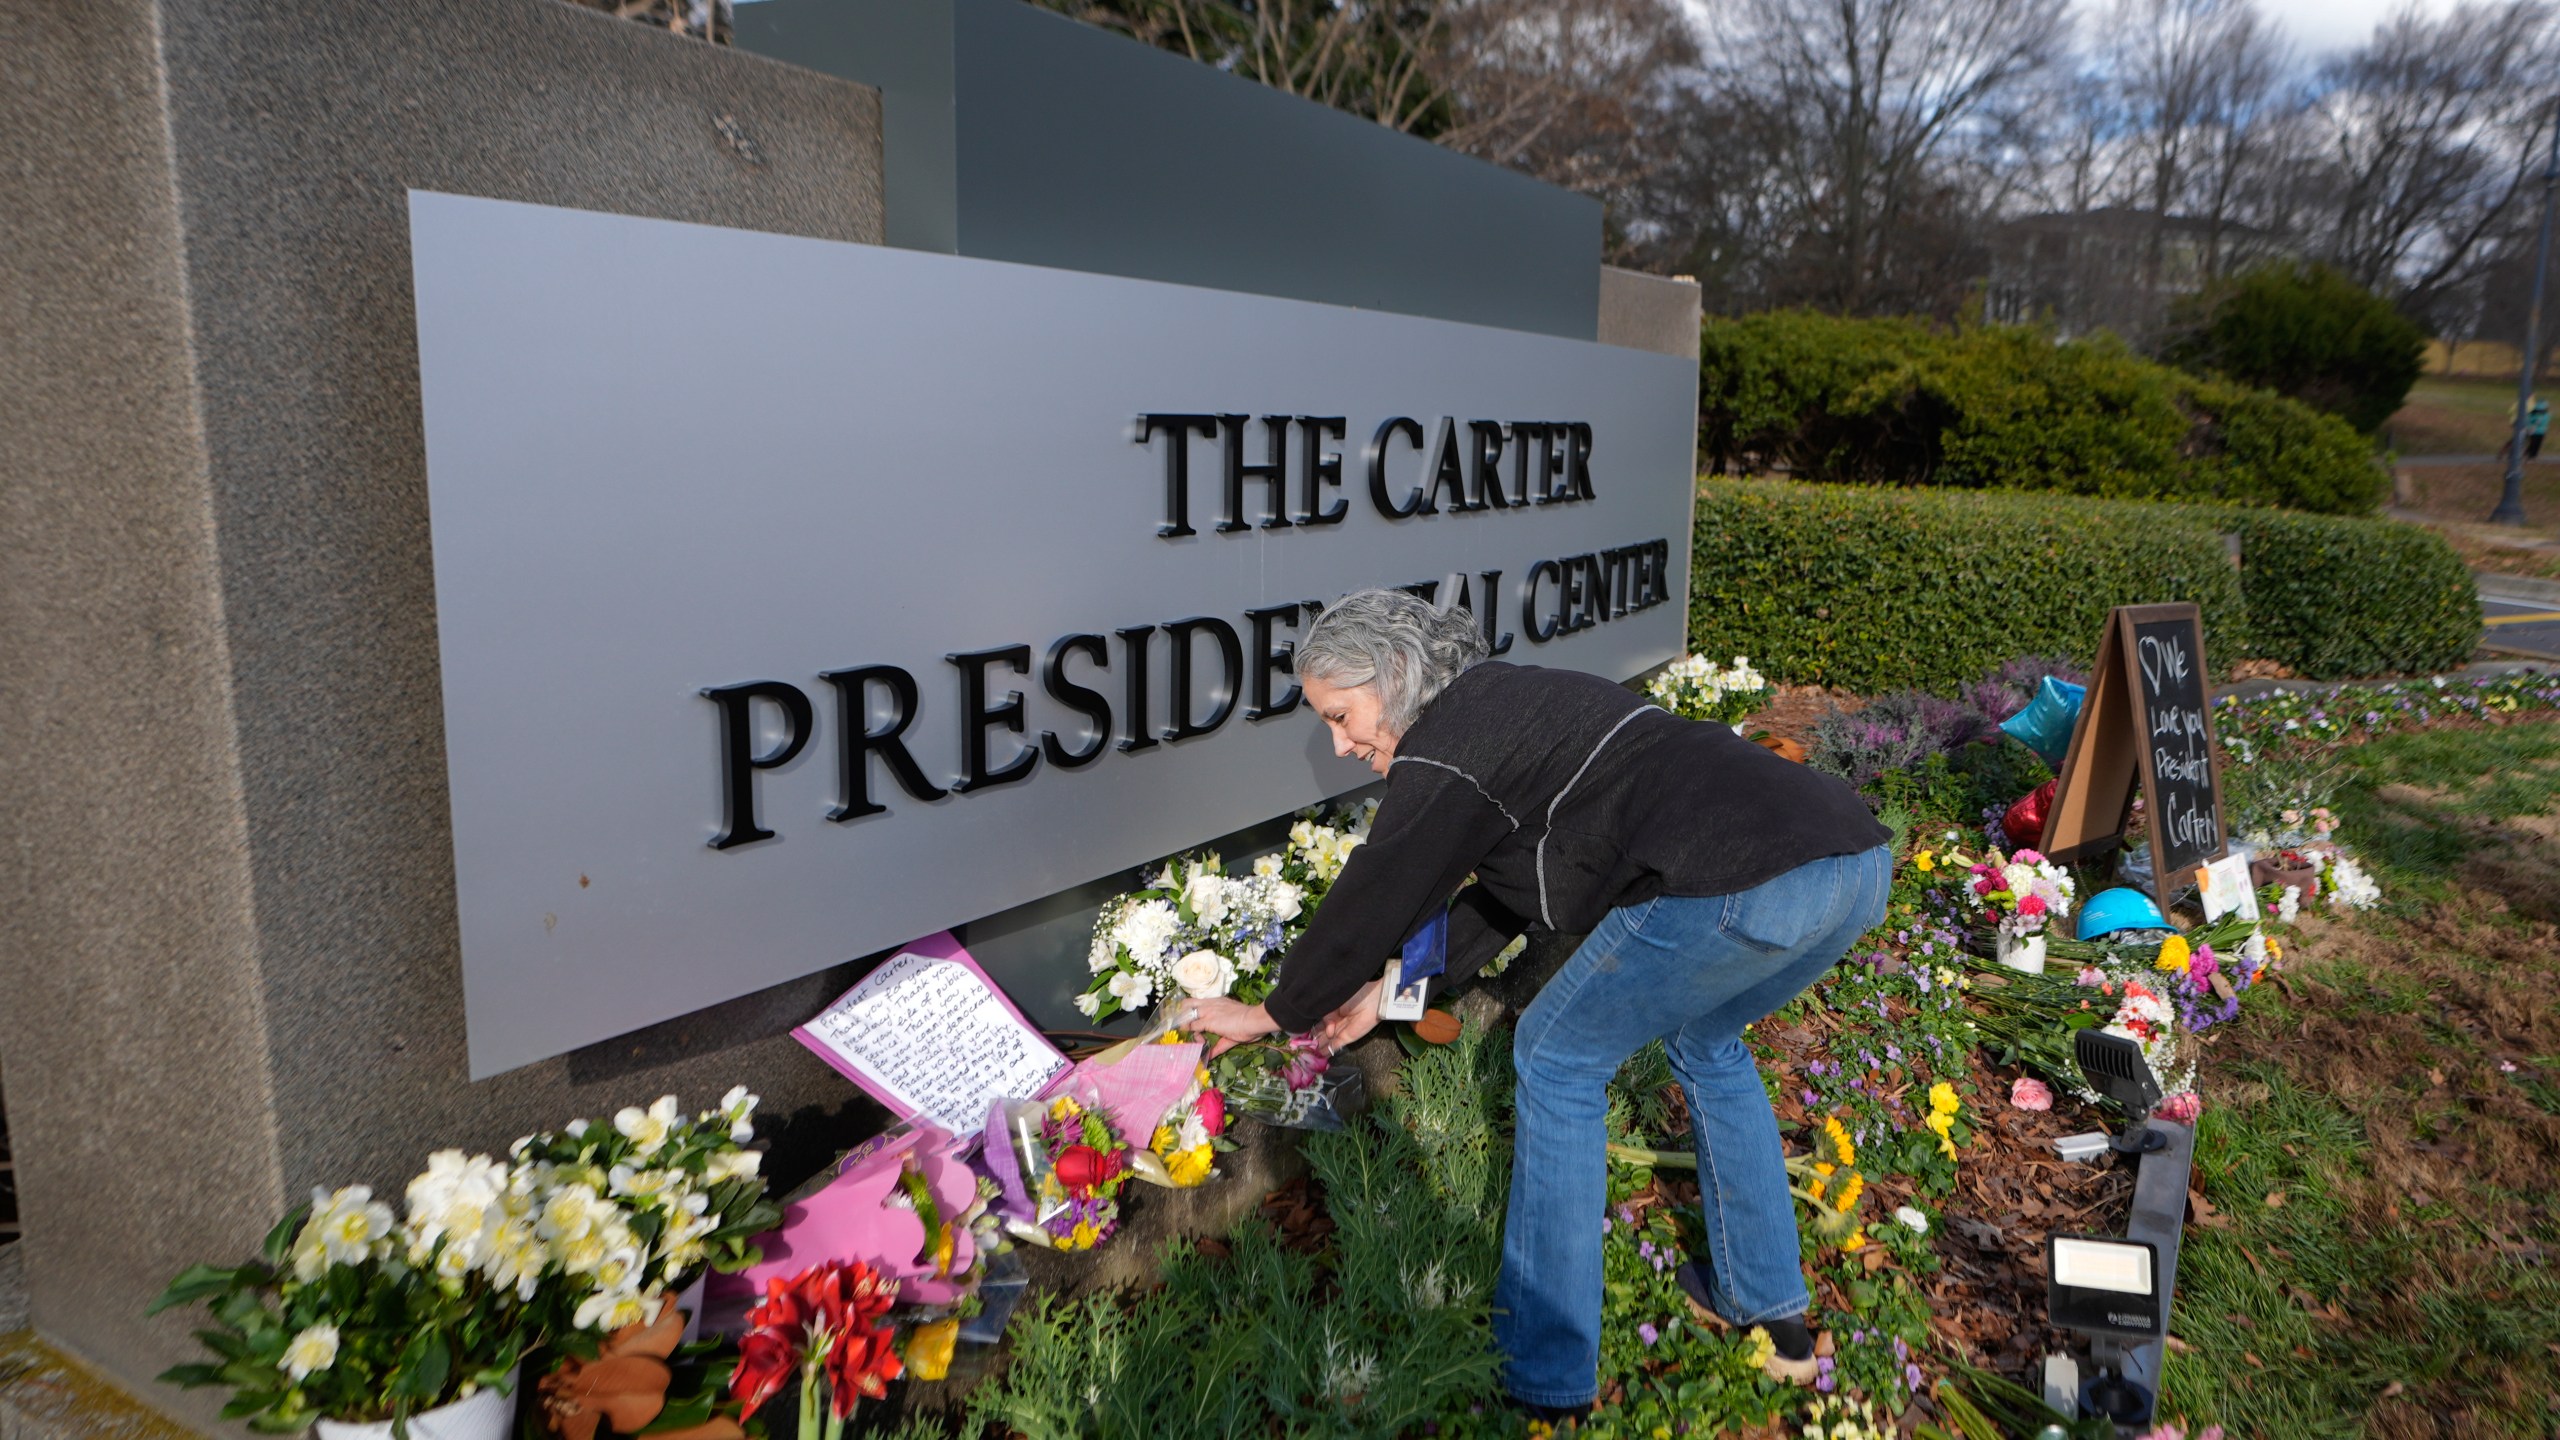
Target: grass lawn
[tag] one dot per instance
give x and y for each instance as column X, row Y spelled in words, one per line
column 2456, row 500
column 2371, row 1255
column 2447, row 416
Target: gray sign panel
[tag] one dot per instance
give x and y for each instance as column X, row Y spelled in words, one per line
column 681, row 476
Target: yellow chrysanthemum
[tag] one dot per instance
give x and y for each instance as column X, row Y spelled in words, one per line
column 1942, row 1099
column 1924, row 862
column 2174, row 954
column 1162, row 1140
column 1190, row 1167
column 1170, row 1037
column 1083, row 1237
column 1064, row 1108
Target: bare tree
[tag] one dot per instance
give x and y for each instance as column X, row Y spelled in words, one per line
column 1372, row 59
column 2196, row 79
column 1881, row 100
column 1578, row 93
column 2430, row 135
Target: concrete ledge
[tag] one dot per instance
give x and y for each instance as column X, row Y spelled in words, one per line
column 46, row 1395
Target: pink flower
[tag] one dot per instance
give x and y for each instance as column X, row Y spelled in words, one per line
column 2028, row 857
column 2029, row 1093
column 2031, row 905
column 1986, row 886
column 2091, row 975
column 2183, row 1107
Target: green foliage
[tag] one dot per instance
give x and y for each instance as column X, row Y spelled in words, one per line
column 1250, row 1345
column 2009, row 408
column 1879, row 590
column 2309, row 333
column 2334, row 597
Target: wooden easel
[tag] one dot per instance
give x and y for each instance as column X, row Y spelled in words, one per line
column 2150, row 670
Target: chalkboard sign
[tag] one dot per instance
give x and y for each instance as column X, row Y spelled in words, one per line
column 2146, row 719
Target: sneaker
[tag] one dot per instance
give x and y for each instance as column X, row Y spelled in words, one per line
column 1791, row 1362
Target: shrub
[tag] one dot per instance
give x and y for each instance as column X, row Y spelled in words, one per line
column 2008, row 408
column 2011, row 688
column 2306, row 332
column 2333, row 597
column 1883, row 590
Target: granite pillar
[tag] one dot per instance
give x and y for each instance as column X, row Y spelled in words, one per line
column 230, row 970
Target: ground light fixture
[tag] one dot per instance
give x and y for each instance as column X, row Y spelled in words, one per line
column 2116, row 1068
column 2109, row 1289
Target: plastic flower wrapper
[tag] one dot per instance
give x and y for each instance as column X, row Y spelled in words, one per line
column 903, row 1203
column 1060, row 1167
column 1292, row 1084
column 1186, row 1137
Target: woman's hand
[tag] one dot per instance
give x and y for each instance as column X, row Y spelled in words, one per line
column 1229, row 1020
column 1357, row 1017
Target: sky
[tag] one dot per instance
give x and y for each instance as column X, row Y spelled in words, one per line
column 2318, row 27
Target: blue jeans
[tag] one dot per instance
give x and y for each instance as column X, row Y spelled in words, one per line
column 1690, row 972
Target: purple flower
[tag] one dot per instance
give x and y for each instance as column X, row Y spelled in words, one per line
column 1646, row 1333
column 1911, row 1374
column 1900, row 1350
column 1811, row 1099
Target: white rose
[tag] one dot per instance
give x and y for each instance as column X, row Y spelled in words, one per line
column 314, row 1349
column 1287, row 901
column 1207, row 893
column 1204, row 973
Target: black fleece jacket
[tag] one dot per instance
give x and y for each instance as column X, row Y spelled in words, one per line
column 1566, row 796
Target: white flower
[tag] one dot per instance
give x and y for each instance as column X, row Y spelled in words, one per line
column 1193, row 1134
column 1287, row 902
column 458, row 1200
column 1101, row 956
column 1147, row 931
column 316, row 1348
column 640, row 1184
column 611, row 1310
column 1913, row 1218
column 572, row 1212
column 345, row 1228
column 1089, row 1003
column 732, row 1165
column 2289, row 904
column 1204, row 973
column 1131, row 990
column 1268, row 867
column 737, row 1105
column 1207, row 894
column 648, row 1129
column 1302, row 835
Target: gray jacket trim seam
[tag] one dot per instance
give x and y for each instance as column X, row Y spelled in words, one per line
column 1507, row 816
column 1546, row 912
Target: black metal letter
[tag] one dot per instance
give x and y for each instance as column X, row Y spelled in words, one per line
column 1177, row 464
column 976, row 715
column 1541, row 630
column 1133, row 721
column 1272, row 471
column 1230, row 656
column 1487, row 470
column 1268, row 662
column 1319, row 468
column 857, row 742
column 739, row 761
column 1492, row 595
column 1377, row 456
column 1081, row 699
column 1448, row 473
column 1578, row 462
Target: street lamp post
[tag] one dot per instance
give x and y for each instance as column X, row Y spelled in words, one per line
column 2510, row 509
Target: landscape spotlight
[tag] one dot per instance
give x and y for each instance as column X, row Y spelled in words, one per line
column 2115, row 1067
column 2102, row 1286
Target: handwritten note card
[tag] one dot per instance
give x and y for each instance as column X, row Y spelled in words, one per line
column 931, row 1037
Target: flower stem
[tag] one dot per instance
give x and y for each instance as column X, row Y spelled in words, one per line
column 810, row 1387
column 1659, row 1159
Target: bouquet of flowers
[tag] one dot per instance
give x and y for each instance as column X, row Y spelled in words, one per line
column 1196, row 930
column 2018, row 894
column 354, row 1313
column 829, row 1326
column 1087, row 1165
column 1188, row 1140
column 1291, row 1083
column 1696, row 688
column 630, row 1212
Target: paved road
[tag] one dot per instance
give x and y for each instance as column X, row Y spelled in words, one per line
column 2527, row 626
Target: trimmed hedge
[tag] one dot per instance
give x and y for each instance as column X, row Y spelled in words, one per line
column 2005, row 407
column 1880, row 589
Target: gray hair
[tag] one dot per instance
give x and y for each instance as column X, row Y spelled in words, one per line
column 1405, row 647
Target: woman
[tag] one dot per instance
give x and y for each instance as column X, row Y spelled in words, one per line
column 1715, row 881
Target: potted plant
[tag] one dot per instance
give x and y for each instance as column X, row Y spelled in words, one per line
column 369, row 1326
